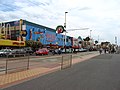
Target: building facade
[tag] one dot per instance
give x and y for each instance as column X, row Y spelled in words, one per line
column 22, row 30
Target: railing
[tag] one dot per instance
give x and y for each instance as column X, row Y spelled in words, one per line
column 66, row 61
column 14, row 64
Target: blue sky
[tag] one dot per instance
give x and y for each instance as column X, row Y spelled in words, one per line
column 100, row 16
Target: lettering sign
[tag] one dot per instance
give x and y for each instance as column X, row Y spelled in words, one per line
column 50, row 37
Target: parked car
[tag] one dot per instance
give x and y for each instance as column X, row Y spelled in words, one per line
column 83, row 50
column 4, row 52
column 29, row 50
column 7, row 53
column 55, row 51
column 19, row 52
column 42, row 52
column 58, row 51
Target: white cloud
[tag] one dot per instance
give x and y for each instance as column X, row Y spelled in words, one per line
column 100, row 16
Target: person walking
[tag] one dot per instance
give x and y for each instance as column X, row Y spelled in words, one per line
column 59, row 51
column 105, row 50
column 100, row 50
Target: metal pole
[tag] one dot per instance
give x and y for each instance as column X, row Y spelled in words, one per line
column 65, row 31
column 65, row 41
column 62, row 63
column 28, row 64
column 90, row 33
column 98, row 38
column 6, row 64
column 70, row 60
column 115, row 40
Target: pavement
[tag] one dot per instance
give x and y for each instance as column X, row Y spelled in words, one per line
column 10, row 79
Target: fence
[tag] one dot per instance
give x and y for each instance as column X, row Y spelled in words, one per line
column 66, row 61
column 13, row 64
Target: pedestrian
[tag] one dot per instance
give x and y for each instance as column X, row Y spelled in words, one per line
column 105, row 50
column 53, row 52
column 59, row 51
column 100, row 50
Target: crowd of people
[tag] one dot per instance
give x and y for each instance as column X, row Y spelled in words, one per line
column 110, row 50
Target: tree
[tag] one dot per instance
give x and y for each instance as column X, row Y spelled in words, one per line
column 96, row 42
column 80, row 42
column 33, row 44
column 80, row 38
column 87, row 39
column 105, row 43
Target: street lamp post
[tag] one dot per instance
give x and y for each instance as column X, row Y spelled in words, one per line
column 65, row 31
column 98, row 38
column 115, row 40
column 64, row 44
column 90, row 33
column 65, row 19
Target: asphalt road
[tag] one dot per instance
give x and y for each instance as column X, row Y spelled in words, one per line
column 99, row 73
